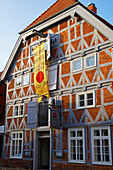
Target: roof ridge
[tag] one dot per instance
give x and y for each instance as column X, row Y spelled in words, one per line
column 43, row 13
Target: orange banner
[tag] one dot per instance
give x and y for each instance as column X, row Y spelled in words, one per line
column 40, row 79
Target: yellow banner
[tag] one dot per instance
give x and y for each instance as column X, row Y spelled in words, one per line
column 40, row 79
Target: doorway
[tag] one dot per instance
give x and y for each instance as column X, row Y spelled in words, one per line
column 43, row 153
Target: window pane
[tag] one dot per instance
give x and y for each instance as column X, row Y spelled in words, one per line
column 89, row 99
column 20, row 147
column 13, row 147
column 90, row 102
column 73, row 149
column 21, row 110
column 97, row 154
column 104, row 132
column 89, row 95
column 81, row 100
column 90, row 61
column 96, row 132
column 16, row 111
column 77, row 65
column 20, row 135
column 79, row 133
column 81, row 97
column 79, row 149
column 72, row 134
column 81, row 103
column 105, row 150
column 73, row 143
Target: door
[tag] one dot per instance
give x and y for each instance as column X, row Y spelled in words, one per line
column 44, row 153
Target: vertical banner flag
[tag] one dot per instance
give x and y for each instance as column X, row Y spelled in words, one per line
column 40, row 79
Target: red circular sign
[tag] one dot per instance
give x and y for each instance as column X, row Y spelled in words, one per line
column 39, row 76
column 54, row 115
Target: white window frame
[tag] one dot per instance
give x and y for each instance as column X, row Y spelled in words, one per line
column 16, row 79
column 85, row 99
column 18, row 105
column 32, row 47
column 101, row 137
column 76, row 139
column 16, row 139
column 24, row 83
column 88, row 56
column 75, row 61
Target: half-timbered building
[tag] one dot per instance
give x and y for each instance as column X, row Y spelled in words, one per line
column 79, row 62
column 2, row 114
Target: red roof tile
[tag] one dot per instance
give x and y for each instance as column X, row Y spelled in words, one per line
column 55, row 8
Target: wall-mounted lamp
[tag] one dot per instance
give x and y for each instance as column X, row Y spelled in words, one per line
column 39, row 33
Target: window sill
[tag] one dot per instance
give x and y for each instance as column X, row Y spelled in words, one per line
column 24, row 85
column 15, row 157
column 102, row 163
column 77, row 162
column 85, row 107
column 18, row 116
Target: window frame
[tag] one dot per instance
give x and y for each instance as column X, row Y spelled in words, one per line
column 76, row 139
column 18, row 105
column 85, row 99
column 20, row 77
column 75, row 61
column 88, row 56
column 101, row 137
column 25, row 75
column 16, row 139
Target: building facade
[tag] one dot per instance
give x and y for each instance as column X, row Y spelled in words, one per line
column 2, row 114
column 79, row 68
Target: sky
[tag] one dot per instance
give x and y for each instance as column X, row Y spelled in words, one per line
column 15, row 15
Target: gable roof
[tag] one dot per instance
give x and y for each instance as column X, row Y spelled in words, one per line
column 58, row 6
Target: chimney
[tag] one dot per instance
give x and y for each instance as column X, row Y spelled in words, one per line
column 92, row 7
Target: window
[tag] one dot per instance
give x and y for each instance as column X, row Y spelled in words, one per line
column 18, row 81
column 76, row 149
column 101, row 145
column 77, row 64
column 18, row 110
column 26, row 79
column 90, row 61
column 32, row 48
column 52, row 77
column 16, row 145
column 86, row 99
column 43, row 114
